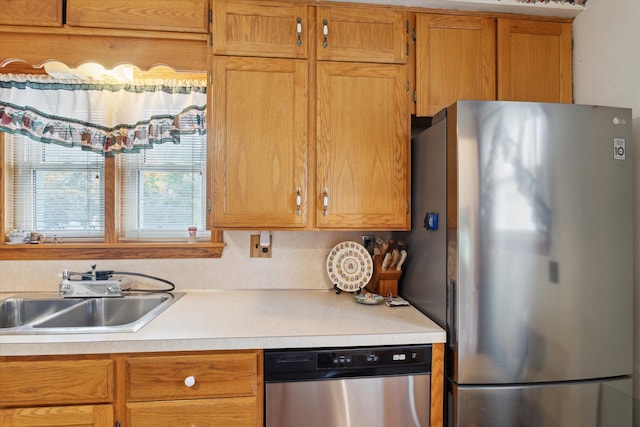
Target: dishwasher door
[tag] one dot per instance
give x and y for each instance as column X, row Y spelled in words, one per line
column 381, row 401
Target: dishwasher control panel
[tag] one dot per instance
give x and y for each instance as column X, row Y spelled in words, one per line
column 373, row 357
column 293, row 365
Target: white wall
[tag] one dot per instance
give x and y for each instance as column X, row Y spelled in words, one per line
column 607, row 72
column 298, row 261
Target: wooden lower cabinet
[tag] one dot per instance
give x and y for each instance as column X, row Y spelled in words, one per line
column 205, row 389
column 57, row 391
column 235, row 411
column 214, row 388
column 76, row 416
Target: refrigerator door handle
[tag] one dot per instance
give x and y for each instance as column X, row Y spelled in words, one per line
column 451, row 314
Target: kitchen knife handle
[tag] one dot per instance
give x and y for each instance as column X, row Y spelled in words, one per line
column 298, row 201
column 325, row 202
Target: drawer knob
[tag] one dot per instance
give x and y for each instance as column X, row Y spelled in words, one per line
column 190, row 381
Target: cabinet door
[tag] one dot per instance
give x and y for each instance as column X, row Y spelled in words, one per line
column 72, row 416
column 35, row 13
column 56, row 382
column 188, row 16
column 260, row 28
column 259, row 155
column 361, row 34
column 455, row 59
column 534, row 61
column 363, row 140
column 237, row 412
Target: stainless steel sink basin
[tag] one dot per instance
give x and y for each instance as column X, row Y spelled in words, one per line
column 55, row 315
column 16, row 312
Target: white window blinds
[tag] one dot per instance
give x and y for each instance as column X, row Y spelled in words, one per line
column 163, row 190
column 54, row 190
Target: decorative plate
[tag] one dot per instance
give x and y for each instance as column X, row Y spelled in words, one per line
column 349, row 266
column 369, row 298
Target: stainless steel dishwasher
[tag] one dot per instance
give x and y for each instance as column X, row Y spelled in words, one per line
column 348, row 387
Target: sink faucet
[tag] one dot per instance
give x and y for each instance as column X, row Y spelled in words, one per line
column 88, row 287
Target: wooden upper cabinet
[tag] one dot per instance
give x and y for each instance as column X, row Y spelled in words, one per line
column 36, row 13
column 260, row 28
column 259, row 155
column 455, row 59
column 361, row 34
column 362, row 146
column 534, row 61
column 187, row 16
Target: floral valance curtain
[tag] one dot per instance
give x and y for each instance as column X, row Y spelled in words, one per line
column 103, row 116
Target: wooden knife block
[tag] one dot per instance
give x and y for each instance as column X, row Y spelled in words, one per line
column 383, row 283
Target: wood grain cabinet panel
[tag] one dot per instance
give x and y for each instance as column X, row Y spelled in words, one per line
column 56, row 382
column 187, row 16
column 455, row 59
column 35, row 13
column 259, row 153
column 68, row 416
column 534, row 61
column 274, row 29
column 237, row 412
column 210, row 389
column 361, row 34
column 363, row 143
column 215, row 375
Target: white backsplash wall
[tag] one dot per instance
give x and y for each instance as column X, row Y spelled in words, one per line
column 297, row 262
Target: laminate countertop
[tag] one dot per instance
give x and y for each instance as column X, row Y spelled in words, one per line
column 247, row 319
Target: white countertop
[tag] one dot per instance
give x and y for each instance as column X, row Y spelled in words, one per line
column 248, row 319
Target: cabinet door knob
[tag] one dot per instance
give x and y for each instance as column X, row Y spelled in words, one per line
column 190, row 381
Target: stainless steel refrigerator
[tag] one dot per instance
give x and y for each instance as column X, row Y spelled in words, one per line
column 521, row 247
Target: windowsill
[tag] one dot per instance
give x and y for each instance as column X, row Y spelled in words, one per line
column 110, row 251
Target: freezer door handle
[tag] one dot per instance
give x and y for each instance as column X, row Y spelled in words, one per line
column 451, row 313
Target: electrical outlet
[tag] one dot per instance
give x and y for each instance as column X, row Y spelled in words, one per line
column 257, row 251
column 367, row 242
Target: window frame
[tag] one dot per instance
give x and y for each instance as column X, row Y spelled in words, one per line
column 111, row 248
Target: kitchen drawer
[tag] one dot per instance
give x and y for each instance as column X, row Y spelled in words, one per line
column 235, row 411
column 78, row 416
column 187, row 16
column 34, row 13
column 212, row 375
column 56, row 382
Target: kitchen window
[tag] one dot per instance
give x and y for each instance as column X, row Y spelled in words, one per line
column 114, row 198
column 60, row 191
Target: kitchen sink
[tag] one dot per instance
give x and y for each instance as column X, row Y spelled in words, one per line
column 56, row 315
